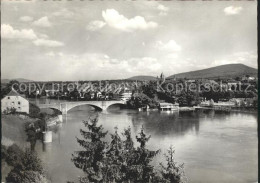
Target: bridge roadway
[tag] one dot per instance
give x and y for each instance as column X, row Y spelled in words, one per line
column 64, row 107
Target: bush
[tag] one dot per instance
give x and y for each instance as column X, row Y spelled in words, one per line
column 14, row 155
column 26, row 165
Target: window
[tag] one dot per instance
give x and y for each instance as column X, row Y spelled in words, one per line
column 19, row 102
column 8, row 97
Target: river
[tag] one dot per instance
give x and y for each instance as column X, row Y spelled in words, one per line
column 214, row 147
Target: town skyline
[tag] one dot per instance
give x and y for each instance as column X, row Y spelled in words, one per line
column 118, row 40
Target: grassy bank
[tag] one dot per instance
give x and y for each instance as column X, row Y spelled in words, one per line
column 13, row 131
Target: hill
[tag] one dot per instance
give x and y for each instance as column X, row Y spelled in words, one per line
column 21, row 80
column 223, row 71
column 142, row 78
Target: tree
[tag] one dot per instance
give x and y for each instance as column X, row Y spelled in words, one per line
column 3, row 152
column 91, row 159
column 25, row 177
column 14, row 155
column 172, row 173
column 114, row 169
column 27, row 166
column 142, row 170
column 12, row 84
column 119, row 161
column 34, row 110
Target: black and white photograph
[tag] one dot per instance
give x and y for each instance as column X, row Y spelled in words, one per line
column 129, row 91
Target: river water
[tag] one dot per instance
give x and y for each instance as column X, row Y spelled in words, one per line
column 214, row 147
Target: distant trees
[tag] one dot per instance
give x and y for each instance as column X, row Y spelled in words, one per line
column 118, row 160
column 150, row 89
column 141, row 100
column 12, row 84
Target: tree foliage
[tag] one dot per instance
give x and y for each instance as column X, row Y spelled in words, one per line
column 172, row 172
column 91, row 159
column 27, row 167
column 115, row 161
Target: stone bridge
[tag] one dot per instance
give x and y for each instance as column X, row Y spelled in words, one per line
column 66, row 106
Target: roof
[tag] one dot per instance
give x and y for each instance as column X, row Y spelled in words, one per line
column 167, row 104
column 13, row 93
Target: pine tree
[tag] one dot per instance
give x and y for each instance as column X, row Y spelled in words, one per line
column 172, row 173
column 115, row 159
column 91, row 159
column 128, row 143
column 128, row 156
column 143, row 171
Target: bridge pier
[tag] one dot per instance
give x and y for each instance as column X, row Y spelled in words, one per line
column 63, row 108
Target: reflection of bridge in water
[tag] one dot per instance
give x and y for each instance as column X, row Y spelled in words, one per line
column 66, row 106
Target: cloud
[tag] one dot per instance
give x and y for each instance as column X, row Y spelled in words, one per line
column 42, row 22
column 52, row 54
column 247, row 57
column 100, row 64
column 47, row 43
column 26, row 19
column 8, row 32
column 170, row 46
column 44, row 36
column 117, row 21
column 163, row 10
column 95, row 25
column 232, row 10
column 64, row 13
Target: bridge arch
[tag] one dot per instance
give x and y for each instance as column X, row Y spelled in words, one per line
column 53, row 108
column 115, row 104
column 98, row 108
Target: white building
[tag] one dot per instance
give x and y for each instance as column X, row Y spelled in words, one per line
column 126, row 95
column 15, row 100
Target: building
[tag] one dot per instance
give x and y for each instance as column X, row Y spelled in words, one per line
column 168, row 106
column 126, row 95
column 14, row 100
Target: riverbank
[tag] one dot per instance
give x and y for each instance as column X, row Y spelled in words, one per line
column 13, row 129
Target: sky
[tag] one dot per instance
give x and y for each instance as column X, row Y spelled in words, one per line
column 97, row 40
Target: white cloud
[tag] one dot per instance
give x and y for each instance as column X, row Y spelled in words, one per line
column 115, row 20
column 100, row 64
column 170, row 46
column 232, row 10
column 44, row 36
column 52, row 54
column 95, row 25
column 47, row 43
column 26, row 18
column 8, row 32
column 64, row 13
column 42, row 22
column 247, row 57
column 163, row 10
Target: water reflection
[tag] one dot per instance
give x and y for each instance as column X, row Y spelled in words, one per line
column 166, row 124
